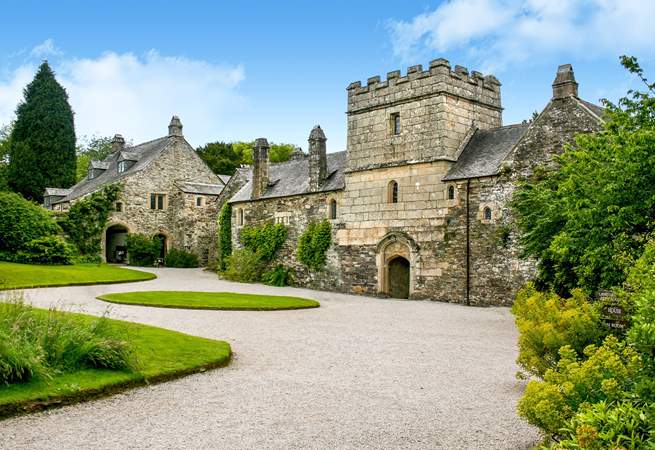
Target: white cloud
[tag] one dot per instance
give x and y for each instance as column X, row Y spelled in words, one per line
column 137, row 95
column 46, row 48
column 498, row 33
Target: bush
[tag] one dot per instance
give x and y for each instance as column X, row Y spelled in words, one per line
column 265, row 240
column 39, row 344
column 547, row 322
column 142, row 250
column 180, row 258
column 278, row 276
column 244, row 265
column 21, row 222
column 224, row 236
column 47, row 250
column 314, row 243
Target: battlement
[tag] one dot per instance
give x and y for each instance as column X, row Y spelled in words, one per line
column 438, row 78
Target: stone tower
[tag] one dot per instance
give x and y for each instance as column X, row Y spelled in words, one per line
column 317, row 158
column 420, row 117
column 259, row 167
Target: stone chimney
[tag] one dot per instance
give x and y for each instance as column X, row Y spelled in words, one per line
column 259, row 168
column 175, row 127
column 564, row 84
column 317, row 158
column 117, row 143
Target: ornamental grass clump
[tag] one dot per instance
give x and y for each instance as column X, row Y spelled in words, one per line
column 37, row 344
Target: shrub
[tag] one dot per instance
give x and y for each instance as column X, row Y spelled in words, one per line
column 265, row 240
column 278, row 276
column 314, row 243
column 607, row 373
column 21, row 222
column 47, row 250
column 224, row 236
column 180, row 258
column 547, row 322
column 244, row 265
column 40, row 344
column 87, row 218
column 142, row 250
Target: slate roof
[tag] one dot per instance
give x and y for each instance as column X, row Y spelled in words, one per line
column 598, row 110
column 57, row 192
column 292, row 178
column 485, row 151
column 224, row 178
column 191, row 187
column 145, row 154
column 99, row 165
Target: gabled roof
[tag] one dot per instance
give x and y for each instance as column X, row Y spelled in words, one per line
column 56, row 192
column 224, row 178
column 144, row 153
column 485, row 151
column 191, row 187
column 292, row 178
column 128, row 156
column 597, row 110
column 104, row 165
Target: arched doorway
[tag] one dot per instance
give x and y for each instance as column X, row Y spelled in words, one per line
column 116, row 244
column 164, row 244
column 398, row 277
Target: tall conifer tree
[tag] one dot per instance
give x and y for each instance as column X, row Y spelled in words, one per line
column 42, row 152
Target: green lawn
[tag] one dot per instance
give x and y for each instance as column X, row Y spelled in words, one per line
column 21, row 276
column 161, row 355
column 210, row 300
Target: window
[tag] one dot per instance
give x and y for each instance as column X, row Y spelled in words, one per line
column 487, row 213
column 91, row 174
column 200, row 201
column 122, row 166
column 119, row 207
column 395, row 123
column 240, row 217
column 333, row 209
column 157, row 201
column 392, row 192
column 451, row 192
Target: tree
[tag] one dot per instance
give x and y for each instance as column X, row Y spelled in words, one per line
column 5, row 134
column 96, row 149
column 42, row 151
column 588, row 221
column 224, row 158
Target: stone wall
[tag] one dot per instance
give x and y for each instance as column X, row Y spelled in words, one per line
column 437, row 108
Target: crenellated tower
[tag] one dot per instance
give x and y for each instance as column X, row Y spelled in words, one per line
column 420, row 117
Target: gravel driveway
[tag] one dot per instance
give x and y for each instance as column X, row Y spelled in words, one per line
column 357, row 372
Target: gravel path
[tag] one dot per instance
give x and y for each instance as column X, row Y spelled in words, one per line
column 357, row 372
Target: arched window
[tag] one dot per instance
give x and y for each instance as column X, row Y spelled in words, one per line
column 487, row 213
column 333, row 209
column 240, row 217
column 451, row 192
column 392, row 193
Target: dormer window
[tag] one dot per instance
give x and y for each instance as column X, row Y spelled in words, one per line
column 91, row 174
column 122, row 166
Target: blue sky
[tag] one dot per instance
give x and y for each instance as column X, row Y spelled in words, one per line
column 241, row 70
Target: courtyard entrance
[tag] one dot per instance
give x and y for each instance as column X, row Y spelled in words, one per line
column 116, row 244
column 399, row 277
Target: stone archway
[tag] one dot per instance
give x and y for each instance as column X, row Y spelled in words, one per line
column 397, row 254
column 116, row 243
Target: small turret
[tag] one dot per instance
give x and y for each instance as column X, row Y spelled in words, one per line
column 317, row 158
column 565, row 84
column 175, row 127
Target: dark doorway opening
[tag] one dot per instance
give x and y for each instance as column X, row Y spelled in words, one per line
column 162, row 249
column 116, row 248
column 399, row 277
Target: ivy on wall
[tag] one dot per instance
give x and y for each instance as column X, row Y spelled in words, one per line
column 314, row 244
column 224, row 236
column 265, row 240
column 86, row 219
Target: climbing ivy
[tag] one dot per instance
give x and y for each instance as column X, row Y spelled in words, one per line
column 265, row 240
column 224, row 236
column 314, row 243
column 86, row 219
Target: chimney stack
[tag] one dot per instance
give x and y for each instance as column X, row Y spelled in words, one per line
column 175, row 127
column 117, row 143
column 565, row 85
column 259, row 168
column 317, row 158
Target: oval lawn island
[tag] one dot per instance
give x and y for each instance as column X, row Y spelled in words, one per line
column 230, row 301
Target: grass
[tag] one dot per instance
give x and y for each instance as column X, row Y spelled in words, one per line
column 160, row 355
column 23, row 276
column 210, row 300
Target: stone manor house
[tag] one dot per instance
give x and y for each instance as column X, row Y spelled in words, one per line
column 419, row 200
